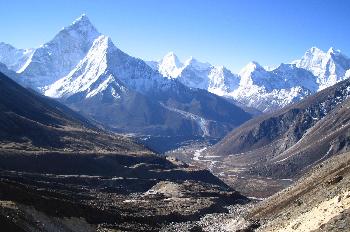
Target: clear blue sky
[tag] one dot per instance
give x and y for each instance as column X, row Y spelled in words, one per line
column 226, row 32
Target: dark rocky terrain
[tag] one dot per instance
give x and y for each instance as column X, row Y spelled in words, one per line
column 140, row 196
column 58, row 172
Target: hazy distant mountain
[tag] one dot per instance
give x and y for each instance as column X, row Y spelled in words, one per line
column 14, row 58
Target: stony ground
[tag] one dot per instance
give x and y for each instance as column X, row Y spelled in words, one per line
column 320, row 201
column 106, row 193
column 233, row 220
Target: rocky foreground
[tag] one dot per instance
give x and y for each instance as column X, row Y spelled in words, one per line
column 89, row 192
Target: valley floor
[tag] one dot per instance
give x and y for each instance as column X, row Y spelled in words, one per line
column 230, row 171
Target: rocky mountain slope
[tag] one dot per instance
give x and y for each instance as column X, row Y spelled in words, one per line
column 320, row 201
column 58, row 172
column 269, row 152
column 290, row 137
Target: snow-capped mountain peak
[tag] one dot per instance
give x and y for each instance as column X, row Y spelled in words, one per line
column 82, row 27
column 170, row 66
column 329, row 67
column 332, row 50
column 194, row 63
column 250, row 67
column 172, row 58
column 197, row 74
column 12, row 57
column 58, row 57
column 247, row 70
column 91, row 75
column 81, row 18
column 314, row 51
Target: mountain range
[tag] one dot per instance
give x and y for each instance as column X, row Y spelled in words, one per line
column 256, row 87
column 87, row 72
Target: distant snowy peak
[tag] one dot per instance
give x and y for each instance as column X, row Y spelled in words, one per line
column 195, row 64
column 271, row 90
column 170, row 66
column 202, row 75
column 252, row 73
column 251, row 67
column 58, row 57
column 12, row 57
column 222, row 81
column 196, row 74
column 329, row 67
column 285, row 76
